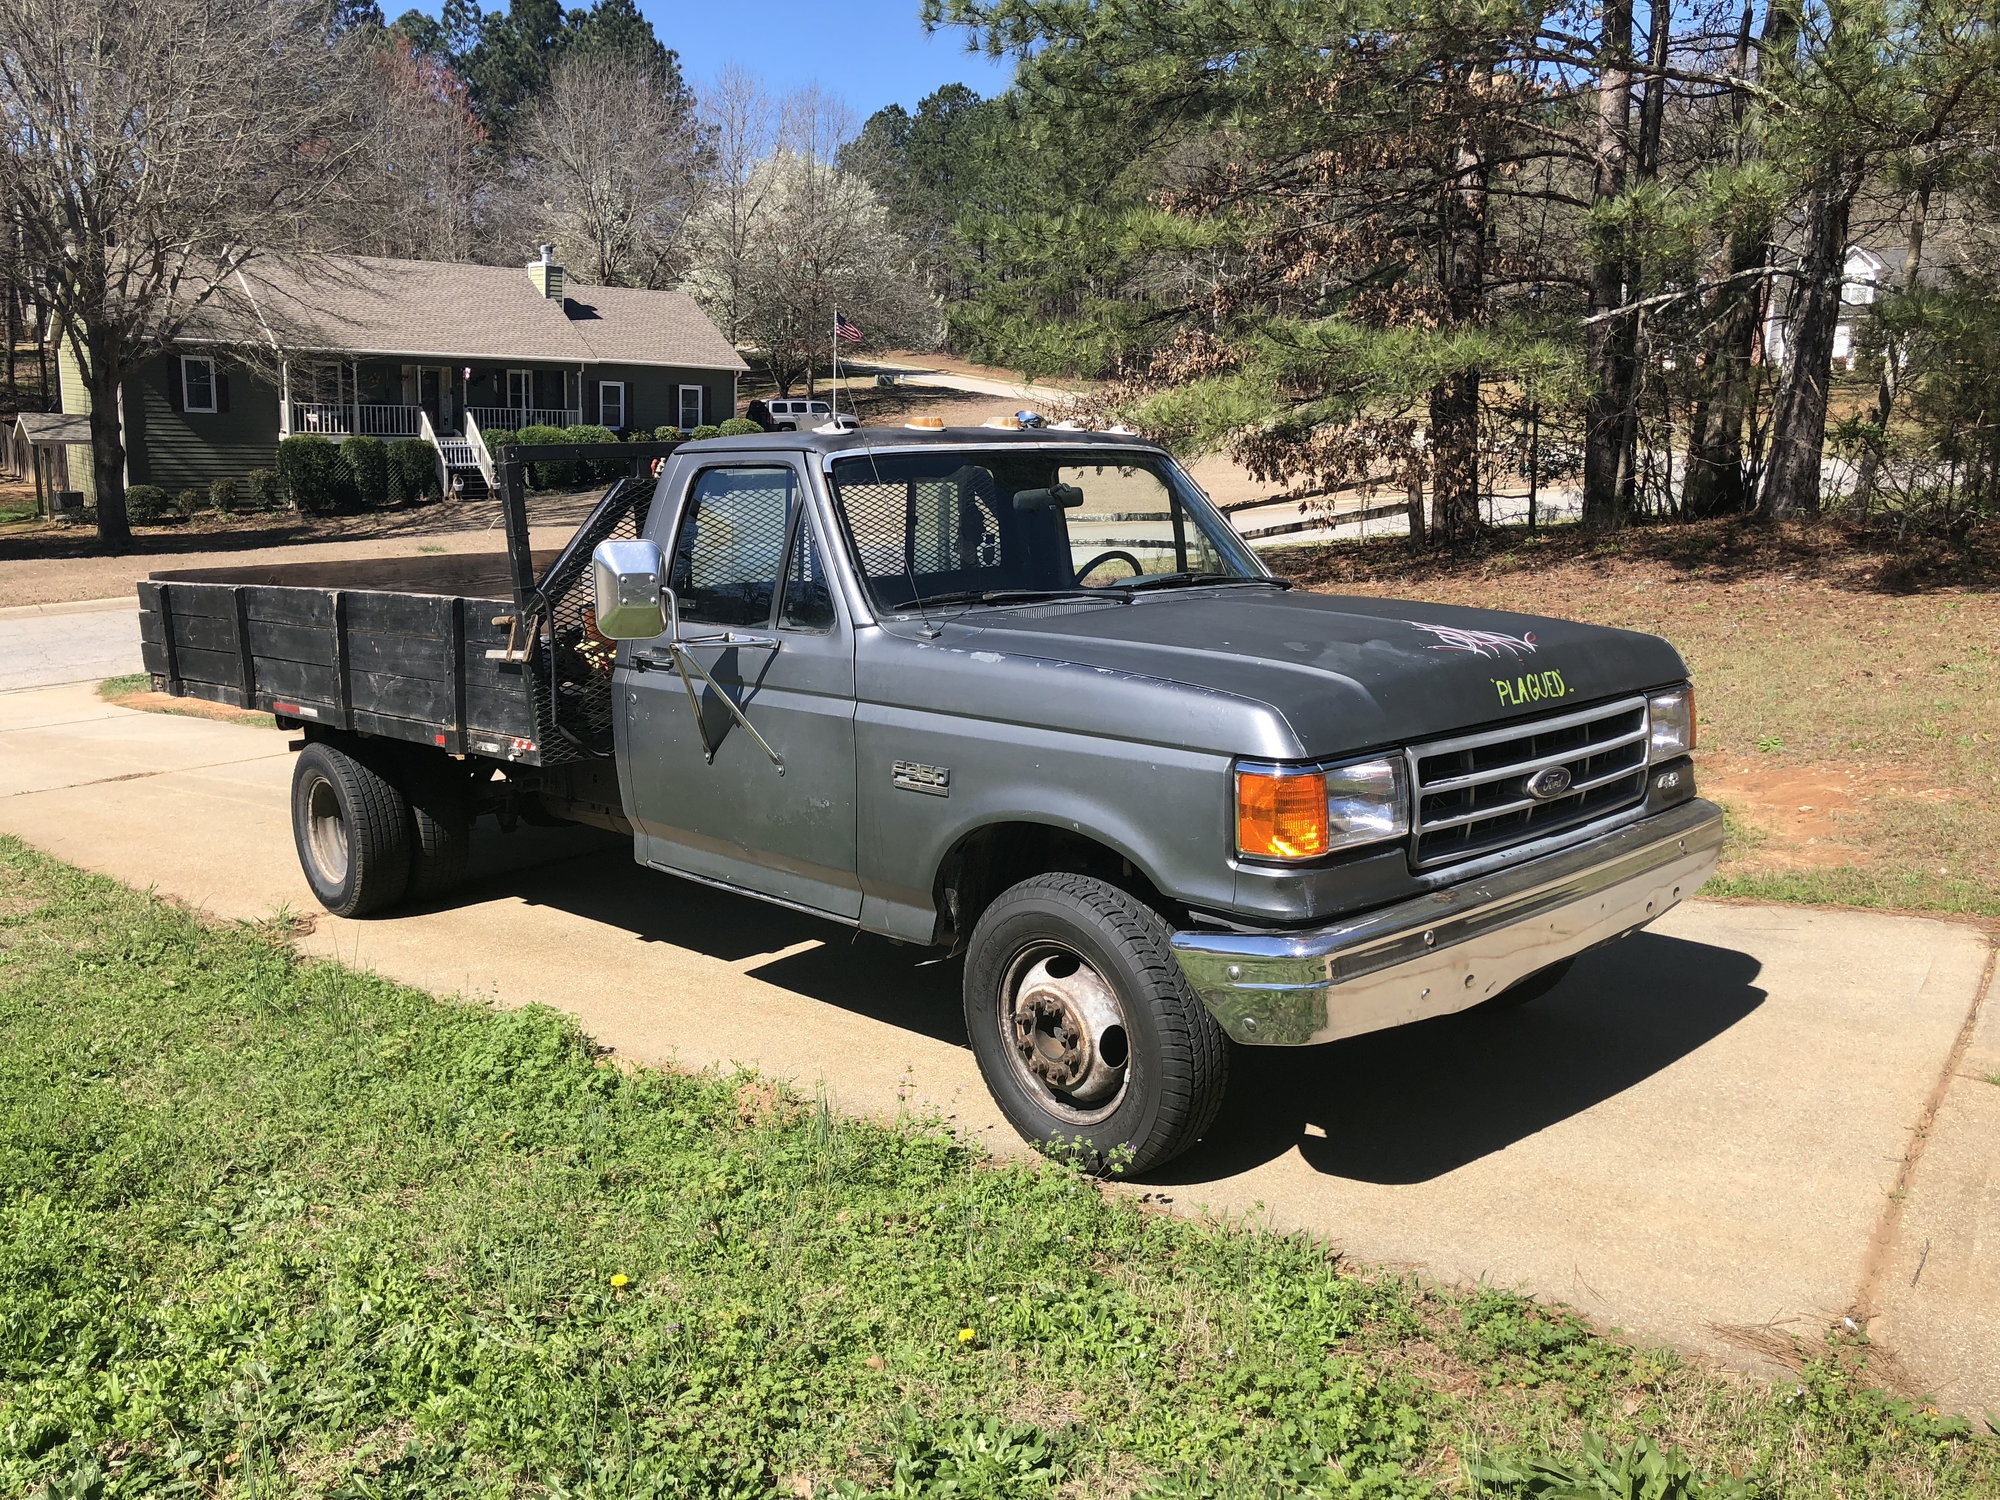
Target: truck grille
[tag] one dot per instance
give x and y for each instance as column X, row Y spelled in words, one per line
column 1472, row 791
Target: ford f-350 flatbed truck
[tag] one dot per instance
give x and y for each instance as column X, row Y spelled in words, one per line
column 1020, row 696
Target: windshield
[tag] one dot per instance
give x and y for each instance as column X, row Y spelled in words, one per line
column 937, row 524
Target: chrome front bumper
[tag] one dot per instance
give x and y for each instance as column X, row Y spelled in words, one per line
column 1449, row 949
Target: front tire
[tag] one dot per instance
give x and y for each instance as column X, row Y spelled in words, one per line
column 1087, row 1033
column 352, row 828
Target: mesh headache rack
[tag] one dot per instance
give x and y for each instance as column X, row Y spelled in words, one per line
column 569, row 663
column 1472, row 791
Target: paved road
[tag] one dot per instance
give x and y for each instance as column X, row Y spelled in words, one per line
column 45, row 644
column 1047, row 398
column 1748, row 1115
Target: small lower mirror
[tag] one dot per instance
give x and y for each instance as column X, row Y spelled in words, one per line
column 629, row 580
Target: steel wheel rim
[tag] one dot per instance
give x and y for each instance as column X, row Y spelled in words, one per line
column 1063, row 1029
column 326, row 831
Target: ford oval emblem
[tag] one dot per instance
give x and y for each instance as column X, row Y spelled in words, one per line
column 1549, row 783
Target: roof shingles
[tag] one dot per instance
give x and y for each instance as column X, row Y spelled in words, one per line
column 415, row 309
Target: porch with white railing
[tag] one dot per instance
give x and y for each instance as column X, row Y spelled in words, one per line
column 514, row 418
column 351, row 419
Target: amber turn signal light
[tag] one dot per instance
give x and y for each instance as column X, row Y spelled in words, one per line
column 1281, row 816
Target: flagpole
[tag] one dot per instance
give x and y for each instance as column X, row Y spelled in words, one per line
column 834, row 388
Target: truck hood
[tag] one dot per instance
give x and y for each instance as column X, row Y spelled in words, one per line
column 1347, row 674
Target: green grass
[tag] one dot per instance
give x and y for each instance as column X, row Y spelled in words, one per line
column 270, row 1227
column 119, row 687
column 1852, row 885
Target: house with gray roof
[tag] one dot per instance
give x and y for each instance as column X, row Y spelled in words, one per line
column 341, row 344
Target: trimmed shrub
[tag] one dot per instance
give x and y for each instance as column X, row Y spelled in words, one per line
column 552, row 476
column 669, row 435
column 602, row 469
column 225, row 496
column 706, row 430
column 261, row 486
column 312, row 474
column 146, row 503
column 497, row 438
column 738, row 427
column 369, row 465
column 412, row 472
column 189, row 502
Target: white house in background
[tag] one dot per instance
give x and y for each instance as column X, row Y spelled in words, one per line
column 1862, row 280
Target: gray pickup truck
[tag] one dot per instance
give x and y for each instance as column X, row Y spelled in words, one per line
column 1020, row 696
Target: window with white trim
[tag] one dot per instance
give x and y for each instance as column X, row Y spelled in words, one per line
column 693, row 398
column 197, row 383
column 520, row 389
column 611, row 403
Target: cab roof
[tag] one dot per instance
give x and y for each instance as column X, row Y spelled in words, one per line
column 862, row 438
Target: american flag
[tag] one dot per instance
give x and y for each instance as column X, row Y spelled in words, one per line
column 845, row 331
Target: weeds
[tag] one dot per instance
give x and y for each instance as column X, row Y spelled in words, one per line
column 272, row 1227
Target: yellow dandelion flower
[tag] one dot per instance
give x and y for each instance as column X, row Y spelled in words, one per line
column 966, row 1335
column 621, row 1279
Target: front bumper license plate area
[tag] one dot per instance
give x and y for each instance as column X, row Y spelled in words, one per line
column 1451, row 949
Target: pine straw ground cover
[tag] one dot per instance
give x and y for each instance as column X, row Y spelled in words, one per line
column 1849, row 697
column 273, row 1227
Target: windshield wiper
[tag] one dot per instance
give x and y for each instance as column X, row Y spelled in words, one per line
column 1199, row 580
column 1012, row 596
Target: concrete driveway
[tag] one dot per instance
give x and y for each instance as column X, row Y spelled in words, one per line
column 1750, row 1115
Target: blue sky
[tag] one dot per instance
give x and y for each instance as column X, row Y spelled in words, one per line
column 869, row 52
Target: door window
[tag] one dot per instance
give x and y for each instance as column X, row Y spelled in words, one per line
column 731, row 545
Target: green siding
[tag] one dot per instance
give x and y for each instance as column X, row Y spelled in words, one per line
column 653, row 394
column 186, row 450
column 76, row 401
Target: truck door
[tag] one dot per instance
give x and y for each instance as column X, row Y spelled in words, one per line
column 746, row 559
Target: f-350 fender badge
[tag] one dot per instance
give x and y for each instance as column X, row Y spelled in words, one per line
column 913, row 776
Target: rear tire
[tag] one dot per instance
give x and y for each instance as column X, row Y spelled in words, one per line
column 440, row 824
column 352, row 827
column 1087, row 1033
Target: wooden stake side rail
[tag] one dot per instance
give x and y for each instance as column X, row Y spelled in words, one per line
column 406, row 666
column 412, row 649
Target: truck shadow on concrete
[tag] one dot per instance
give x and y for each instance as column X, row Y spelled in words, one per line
column 869, row 975
column 1409, row 1105
column 1395, row 1107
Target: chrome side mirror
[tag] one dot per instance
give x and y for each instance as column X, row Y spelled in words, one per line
column 629, row 579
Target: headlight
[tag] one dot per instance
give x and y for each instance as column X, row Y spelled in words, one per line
column 1365, row 802
column 1671, row 715
column 1283, row 813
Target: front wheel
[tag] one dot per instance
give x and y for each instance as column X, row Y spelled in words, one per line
column 1086, row 1031
column 352, row 828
